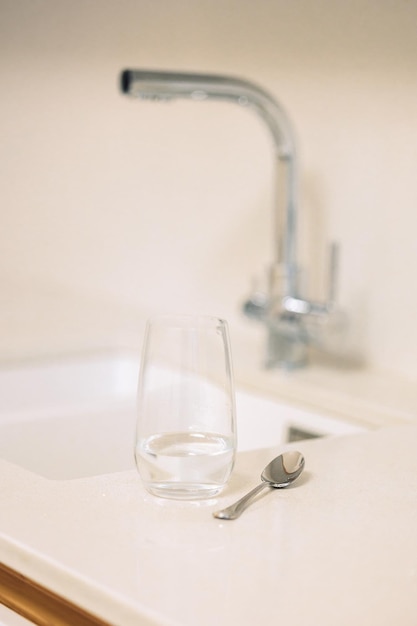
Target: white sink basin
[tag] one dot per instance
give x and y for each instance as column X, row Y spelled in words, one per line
column 76, row 417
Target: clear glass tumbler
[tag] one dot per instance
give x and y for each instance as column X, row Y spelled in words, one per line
column 186, row 424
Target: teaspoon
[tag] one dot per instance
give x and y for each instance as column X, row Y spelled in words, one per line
column 279, row 473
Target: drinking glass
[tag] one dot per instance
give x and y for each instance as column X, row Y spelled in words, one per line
column 186, row 425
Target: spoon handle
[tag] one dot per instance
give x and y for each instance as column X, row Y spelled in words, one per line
column 234, row 510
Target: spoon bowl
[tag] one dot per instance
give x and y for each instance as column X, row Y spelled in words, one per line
column 284, row 469
column 279, row 473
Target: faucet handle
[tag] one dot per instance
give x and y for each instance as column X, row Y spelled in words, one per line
column 307, row 307
column 334, row 255
column 323, row 321
column 256, row 305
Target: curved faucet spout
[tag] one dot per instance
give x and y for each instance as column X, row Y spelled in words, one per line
column 155, row 85
column 171, row 85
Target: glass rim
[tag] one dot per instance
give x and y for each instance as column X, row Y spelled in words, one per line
column 186, row 320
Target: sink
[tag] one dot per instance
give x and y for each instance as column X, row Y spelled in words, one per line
column 75, row 417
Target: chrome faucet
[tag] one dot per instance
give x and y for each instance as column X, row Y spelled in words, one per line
column 280, row 307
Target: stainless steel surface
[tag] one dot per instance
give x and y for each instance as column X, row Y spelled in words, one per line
column 281, row 308
column 279, row 473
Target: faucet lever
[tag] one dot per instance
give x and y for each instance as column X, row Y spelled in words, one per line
column 307, row 307
column 334, row 256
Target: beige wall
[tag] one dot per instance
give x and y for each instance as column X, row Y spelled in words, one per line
column 125, row 208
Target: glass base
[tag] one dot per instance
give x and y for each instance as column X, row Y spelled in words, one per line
column 183, row 491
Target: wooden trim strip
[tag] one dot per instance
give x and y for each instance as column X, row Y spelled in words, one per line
column 39, row 605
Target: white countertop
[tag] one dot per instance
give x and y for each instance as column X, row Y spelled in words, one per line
column 338, row 547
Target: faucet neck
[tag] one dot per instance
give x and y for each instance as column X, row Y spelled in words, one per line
column 157, row 86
